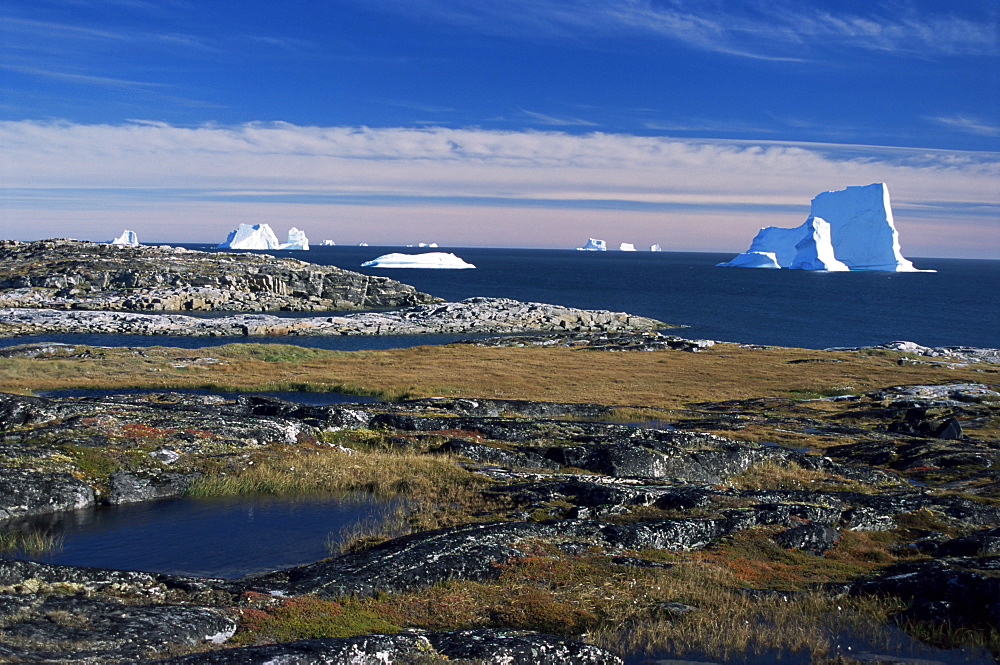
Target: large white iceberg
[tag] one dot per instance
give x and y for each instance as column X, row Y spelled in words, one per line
column 126, row 238
column 440, row 260
column 626, row 247
column 260, row 236
column 594, row 245
column 850, row 229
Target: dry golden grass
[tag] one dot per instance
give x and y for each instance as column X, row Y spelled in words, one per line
column 665, row 379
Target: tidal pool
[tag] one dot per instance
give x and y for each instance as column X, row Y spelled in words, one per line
column 209, row 537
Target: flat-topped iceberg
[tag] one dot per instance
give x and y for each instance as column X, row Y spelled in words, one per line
column 626, row 247
column 260, row 236
column 440, row 260
column 594, row 245
column 126, row 238
column 850, row 229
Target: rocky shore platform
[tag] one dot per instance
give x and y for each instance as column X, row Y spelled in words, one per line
column 73, row 274
column 573, row 490
column 474, row 315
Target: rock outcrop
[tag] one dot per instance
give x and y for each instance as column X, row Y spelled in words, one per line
column 70, row 274
column 566, row 481
column 474, row 316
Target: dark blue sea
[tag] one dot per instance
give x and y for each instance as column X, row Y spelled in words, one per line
column 959, row 305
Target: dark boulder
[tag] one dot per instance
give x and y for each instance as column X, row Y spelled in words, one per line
column 362, row 650
column 27, row 493
column 517, row 648
column 485, row 646
column 809, row 537
column 80, row 629
column 958, row 590
column 981, row 543
column 479, row 452
column 133, row 487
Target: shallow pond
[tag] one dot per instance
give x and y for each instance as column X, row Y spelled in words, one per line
column 211, row 537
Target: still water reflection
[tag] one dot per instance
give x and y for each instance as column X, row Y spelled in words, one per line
column 214, row 537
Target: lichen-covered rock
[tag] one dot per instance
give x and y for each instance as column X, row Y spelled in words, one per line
column 80, row 629
column 483, row 646
column 133, row 487
column 26, row 493
column 980, row 543
column 957, row 590
column 493, row 455
column 568, row 484
column 811, row 537
column 517, row 648
column 470, row 316
column 63, row 273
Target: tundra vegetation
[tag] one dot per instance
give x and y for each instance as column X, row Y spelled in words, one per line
column 744, row 591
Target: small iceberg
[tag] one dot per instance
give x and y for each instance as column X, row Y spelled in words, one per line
column 251, row 236
column 327, row 243
column 655, row 248
column 439, row 260
column 594, row 245
column 260, row 236
column 128, row 238
column 626, row 247
column 296, row 240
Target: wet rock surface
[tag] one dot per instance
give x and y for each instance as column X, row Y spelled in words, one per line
column 72, row 274
column 567, row 476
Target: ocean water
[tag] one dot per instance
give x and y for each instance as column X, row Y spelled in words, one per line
column 959, row 305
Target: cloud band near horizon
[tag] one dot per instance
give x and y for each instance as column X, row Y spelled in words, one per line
column 512, row 188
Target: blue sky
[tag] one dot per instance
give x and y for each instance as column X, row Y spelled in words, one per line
column 688, row 123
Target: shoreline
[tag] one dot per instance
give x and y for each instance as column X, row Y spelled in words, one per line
column 473, row 316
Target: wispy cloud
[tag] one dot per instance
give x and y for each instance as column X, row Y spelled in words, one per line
column 73, row 77
column 545, row 119
column 692, row 125
column 466, row 186
column 473, row 162
column 771, row 29
column 968, row 125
